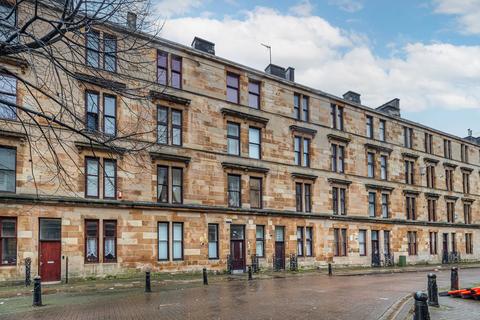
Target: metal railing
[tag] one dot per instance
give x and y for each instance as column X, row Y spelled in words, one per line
column 229, row 264
column 376, row 262
column 255, row 264
column 278, row 263
column 293, row 262
column 451, row 257
column 388, row 260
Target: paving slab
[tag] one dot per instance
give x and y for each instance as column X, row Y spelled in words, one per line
column 308, row 296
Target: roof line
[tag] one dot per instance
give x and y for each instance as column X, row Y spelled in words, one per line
column 178, row 46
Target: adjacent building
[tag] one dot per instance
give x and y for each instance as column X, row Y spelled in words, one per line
column 241, row 164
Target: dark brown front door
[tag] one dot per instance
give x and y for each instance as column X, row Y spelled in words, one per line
column 237, row 247
column 50, row 252
column 280, row 247
column 445, row 248
column 238, row 260
column 50, row 249
column 445, row 243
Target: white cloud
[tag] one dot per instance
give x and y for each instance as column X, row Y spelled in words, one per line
column 347, row 5
column 467, row 13
column 427, row 76
column 232, row 2
column 170, row 8
column 303, row 8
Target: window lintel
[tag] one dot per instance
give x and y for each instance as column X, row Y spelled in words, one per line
column 338, row 138
column 379, row 187
column 81, row 146
column 431, row 160
column 333, row 181
column 451, row 198
column 304, row 176
column 308, row 131
column 410, row 155
column 466, row 169
column 156, row 95
column 411, row 192
column 243, row 115
column 378, row 148
column 449, row 165
column 242, row 167
column 15, row 61
column 169, row 157
column 13, row 134
column 431, row 195
column 101, row 82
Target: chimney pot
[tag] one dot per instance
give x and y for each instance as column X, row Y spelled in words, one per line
column 392, row 108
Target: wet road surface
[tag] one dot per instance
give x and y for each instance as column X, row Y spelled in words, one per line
column 308, row 296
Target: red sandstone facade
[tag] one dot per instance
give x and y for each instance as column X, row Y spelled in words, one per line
column 243, row 163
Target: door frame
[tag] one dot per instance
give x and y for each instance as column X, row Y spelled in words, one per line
column 244, row 267
column 40, row 247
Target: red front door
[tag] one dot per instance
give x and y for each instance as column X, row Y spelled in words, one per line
column 237, row 246
column 238, row 254
column 50, row 252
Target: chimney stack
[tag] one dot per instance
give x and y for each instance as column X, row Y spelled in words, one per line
column 281, row 72
column 471, row 138
column 290, row 74
column 352, row 97
column 392, row 108
column 275, row 70
column 131, row 20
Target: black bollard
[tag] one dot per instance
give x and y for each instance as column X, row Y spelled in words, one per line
column 432, row 290
column 148, row 287
column 421, row 306
column 250, row 273
column 66, row 270
column 205, row 277
column 330, row 269
column 454, row 279
column 37, row 291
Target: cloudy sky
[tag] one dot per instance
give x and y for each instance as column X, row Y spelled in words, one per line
column 425, row 52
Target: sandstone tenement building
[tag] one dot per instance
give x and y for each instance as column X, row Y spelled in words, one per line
column 242, row 163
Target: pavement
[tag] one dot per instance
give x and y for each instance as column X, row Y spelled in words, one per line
column 455, row 309
column 310, row 295
column 137, row 280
